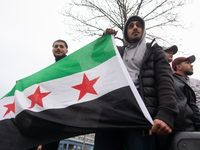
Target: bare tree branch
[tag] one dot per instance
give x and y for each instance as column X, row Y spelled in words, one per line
column 91, row 17
column 154, row 9
column 138, row 8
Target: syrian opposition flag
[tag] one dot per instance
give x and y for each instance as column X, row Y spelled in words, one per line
column 87, row 91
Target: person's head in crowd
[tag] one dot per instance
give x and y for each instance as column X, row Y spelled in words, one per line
column 60, row 49
column 183, row 65
column 170, row 51
column 134, row 30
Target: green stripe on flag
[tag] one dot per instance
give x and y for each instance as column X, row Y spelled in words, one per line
column 81, row 60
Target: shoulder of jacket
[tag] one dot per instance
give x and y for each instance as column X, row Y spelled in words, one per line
column 121, row 50
column 154, row 47
column 179, row 78
column 152, row 44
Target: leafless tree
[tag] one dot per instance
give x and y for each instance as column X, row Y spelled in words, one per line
column 91, row 17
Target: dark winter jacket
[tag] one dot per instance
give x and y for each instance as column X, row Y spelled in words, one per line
column 156, row 85
column 188, row 118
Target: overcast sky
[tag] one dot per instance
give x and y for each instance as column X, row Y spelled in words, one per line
column 29, row 27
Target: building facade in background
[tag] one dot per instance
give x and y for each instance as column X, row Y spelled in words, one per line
column 77, row 143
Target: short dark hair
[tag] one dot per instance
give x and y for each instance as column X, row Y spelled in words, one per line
column 61, row 41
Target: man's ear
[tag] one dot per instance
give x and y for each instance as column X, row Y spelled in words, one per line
column 178, row 67
column 66, row 51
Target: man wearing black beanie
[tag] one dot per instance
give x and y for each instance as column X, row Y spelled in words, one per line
column 151, row 74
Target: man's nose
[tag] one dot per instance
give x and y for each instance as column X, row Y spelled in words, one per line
column 57, row 49
column 135, row 27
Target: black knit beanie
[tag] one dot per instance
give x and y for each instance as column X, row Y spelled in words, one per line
column 135, row 18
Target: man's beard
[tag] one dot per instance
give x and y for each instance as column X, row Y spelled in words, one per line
column 59, row 57
column 189, row 73
column 135, row 40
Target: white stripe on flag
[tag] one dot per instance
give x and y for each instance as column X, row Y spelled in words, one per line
column 63, row 95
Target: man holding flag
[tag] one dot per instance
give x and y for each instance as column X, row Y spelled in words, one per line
column 151, row 74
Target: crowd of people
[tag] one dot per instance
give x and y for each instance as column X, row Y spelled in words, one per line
column 170, row 95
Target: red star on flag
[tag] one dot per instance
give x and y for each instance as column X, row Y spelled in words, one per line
column 11, row 107
column 86, row 86
column 36, row 98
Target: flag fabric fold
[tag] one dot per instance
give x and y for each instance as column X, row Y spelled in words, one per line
column 90, row 90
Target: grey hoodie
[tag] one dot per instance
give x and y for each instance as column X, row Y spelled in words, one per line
column 134, row 53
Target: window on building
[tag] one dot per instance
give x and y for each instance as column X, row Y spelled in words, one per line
column 65, row 147
column 72, row 147
column 60, row 146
